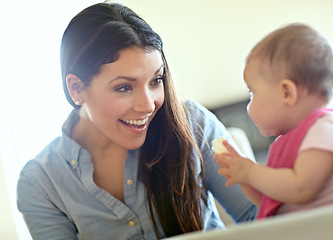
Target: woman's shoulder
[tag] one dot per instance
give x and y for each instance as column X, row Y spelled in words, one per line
column 196, row 109
column 44, row 162
column 53, row 166
column 200, row 114
column 194, row 106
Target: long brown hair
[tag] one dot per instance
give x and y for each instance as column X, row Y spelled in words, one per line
column 168, row 167
column 167, row 162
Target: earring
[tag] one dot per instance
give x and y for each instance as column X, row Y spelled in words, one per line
column 77, row 103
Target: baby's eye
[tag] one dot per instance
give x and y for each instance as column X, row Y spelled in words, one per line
column 123, row 88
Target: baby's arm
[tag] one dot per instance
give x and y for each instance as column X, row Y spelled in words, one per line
column 252, row 194
column 298, row 185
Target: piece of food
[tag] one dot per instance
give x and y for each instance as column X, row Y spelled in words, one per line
column 218, row 146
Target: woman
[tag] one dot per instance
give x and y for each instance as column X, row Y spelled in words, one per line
column 133, row 161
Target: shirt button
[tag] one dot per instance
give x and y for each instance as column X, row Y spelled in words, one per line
column 131, row 224
column 73, row 162
column 129, row 181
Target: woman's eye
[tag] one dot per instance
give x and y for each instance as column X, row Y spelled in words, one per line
column 157, row 81
column 124, row 88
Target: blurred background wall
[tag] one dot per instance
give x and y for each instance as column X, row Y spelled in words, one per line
column 206, row 42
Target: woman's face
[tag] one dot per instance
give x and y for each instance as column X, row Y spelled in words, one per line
column 123, row 98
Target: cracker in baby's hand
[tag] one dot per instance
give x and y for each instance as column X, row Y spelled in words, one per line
column 218, row 146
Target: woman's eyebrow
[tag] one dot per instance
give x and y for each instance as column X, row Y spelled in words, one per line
column 122, row 77
column 134, row 79
column 159, row 69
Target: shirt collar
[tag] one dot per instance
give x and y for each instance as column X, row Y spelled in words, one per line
column 70, row 149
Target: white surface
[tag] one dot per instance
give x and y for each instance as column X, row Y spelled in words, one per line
column 314, row 224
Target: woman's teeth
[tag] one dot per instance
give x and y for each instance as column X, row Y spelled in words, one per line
column 135, row 122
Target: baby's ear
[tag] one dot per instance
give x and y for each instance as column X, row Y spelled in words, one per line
column 289, row 92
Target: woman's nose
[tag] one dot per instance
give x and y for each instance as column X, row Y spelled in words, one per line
column 144, row 102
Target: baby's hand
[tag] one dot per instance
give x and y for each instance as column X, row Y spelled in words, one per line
column 233, row 167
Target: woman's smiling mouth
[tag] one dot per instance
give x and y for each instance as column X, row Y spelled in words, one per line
column 134, row 123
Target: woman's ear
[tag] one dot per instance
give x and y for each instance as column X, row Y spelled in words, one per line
column 289, row 92
column 75, row 86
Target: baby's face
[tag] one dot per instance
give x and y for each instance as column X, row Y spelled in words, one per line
column 265, row 107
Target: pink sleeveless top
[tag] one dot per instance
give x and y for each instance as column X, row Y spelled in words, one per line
column 283, row 153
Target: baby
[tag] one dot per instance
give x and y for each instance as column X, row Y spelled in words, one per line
column 289, row 75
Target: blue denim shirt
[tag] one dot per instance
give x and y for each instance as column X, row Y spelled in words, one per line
column 59, row 199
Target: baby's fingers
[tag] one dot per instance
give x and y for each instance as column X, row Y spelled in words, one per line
column 231, row 150
column 230, row 182
column 223, row 171
column 223, row 159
